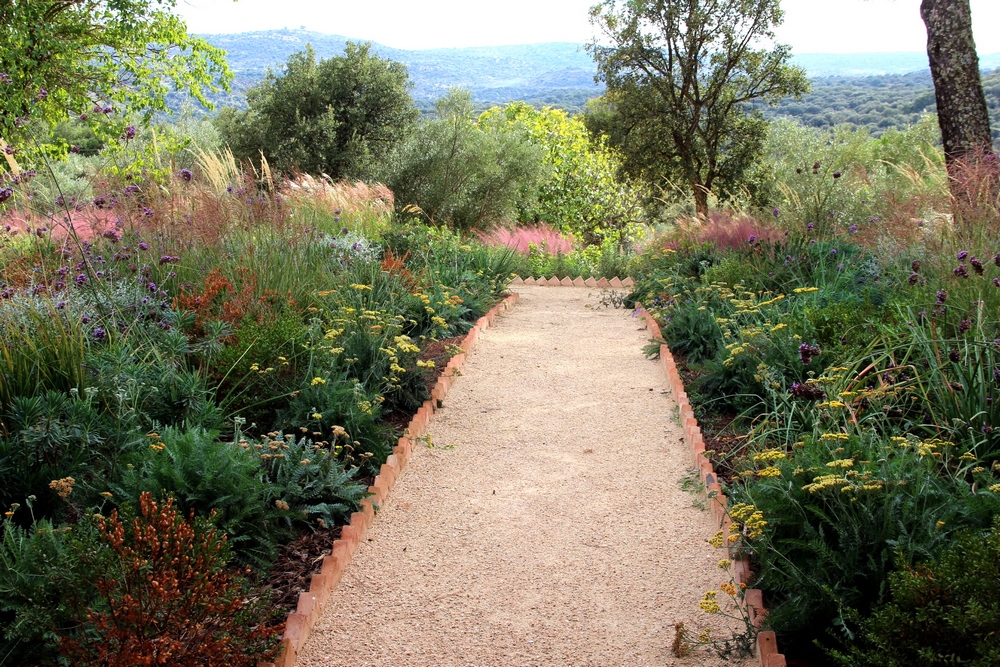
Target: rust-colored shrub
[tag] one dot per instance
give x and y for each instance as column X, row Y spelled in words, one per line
column 170, row 600
column 395, row 265
column 221, row 299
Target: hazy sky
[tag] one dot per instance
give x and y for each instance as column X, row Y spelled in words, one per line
column 811, row 26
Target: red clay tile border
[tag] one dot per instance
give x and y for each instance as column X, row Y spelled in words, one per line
column 767, row 645
column 579, row 281
column 300, row 623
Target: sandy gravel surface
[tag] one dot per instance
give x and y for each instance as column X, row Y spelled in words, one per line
column 546, row 525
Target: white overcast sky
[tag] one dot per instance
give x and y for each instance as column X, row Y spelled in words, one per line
column 811, row 26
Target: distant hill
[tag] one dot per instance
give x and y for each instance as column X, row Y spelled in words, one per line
column 876, row 102
column 558, row 73
column 878, row 90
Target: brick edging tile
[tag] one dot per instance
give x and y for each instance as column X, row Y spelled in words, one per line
column 767, row 644
column 311, row 603
column 579, row 281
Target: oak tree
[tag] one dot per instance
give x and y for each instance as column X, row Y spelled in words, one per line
column 680, row 75
column 339, row 116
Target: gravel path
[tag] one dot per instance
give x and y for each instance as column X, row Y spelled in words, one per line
column 546, row 524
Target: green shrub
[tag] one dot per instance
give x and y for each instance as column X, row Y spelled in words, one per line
column 842, row 511
column 206, row 475
column 46, row 585
column 942, row 612
column 310, row 476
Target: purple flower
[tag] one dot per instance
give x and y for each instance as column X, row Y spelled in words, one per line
column 875, row 219
column 964, row 326
column 810, row 392
column 752, row 239
column 833, row 251
column 60, row 305
column 129, row 133
column 977, row 266
column 5, row 194
column 913, row 279
column 775, row 212
column 961, row 272
column 807, row 352
column 169, row 259
column 146, row 211
column 74, row 149
column 336, row 211
column 81, row 279
column 85, row 319
column 811, row 226
column 954, row 356
column 836, row 174
column 5, row 78
column 112, row 236
column 42, row 94
column 99, row 333
column 853, row 229
column 143, row 246
column 184, row 174
column 942, row 296
column 962, row 255
column 996, row 282
column 152, row 287
column 915, row 265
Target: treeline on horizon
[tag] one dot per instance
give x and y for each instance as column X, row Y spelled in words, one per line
column 876, row 102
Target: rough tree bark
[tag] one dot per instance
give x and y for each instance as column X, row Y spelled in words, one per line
column 961, row 104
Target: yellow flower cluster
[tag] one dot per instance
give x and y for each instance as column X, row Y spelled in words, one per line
column 63, row 487
column 751, row 518
column 708, row 603
column 769, row 455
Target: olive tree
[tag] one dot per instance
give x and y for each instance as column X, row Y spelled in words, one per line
column 96, row 61
column 680, row 75
column 340, row 116
column 466, row 174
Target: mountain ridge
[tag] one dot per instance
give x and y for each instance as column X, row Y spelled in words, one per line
column 558, row 73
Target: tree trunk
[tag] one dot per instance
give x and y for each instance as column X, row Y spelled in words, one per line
column 700, row 200
column 961, row 104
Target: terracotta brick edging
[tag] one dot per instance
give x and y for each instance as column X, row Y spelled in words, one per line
column 311, row 603
column 579, row 281
column 767, row 644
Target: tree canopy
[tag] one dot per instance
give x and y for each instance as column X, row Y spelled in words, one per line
column 340, row 116
column 582, row 194
column 680, row 76
column 91, row 59
column 453, row 170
